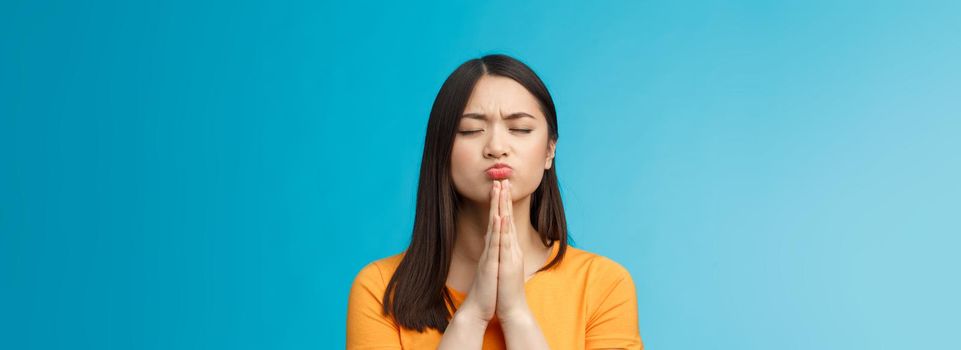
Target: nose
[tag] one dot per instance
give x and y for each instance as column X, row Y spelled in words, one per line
column 496, row 145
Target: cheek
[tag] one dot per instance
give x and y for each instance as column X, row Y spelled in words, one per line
column 533, row 171
column 460, row 164
column 459, row 158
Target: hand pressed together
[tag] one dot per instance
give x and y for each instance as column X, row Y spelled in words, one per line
column 498, row 288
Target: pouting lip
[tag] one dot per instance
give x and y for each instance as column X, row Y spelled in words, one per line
column 499, row 173
column 500, row 165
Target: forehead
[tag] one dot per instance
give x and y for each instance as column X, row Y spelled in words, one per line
column 501, row 96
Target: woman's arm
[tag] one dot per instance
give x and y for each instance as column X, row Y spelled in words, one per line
column 522, row 332
column 614, row 321
column 367, row 327
column 465, row 331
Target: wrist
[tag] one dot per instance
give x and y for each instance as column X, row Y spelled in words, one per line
column 521, row 315
column 469, row 317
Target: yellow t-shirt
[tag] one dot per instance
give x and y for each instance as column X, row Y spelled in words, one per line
column 586, row 302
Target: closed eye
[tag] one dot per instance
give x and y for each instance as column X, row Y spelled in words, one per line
column 469, row 132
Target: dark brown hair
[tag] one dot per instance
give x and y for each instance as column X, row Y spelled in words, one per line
column 417, row 294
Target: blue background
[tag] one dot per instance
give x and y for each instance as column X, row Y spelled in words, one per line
column 775, row 175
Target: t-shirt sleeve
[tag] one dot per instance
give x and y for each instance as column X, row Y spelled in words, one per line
column 367, row 327
column 613, row 323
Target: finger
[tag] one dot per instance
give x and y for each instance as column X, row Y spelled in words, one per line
column 490, row 220
column 502, row 206
column 505, row 218
column 495, row 200
column 511, row 225
column 514, row 239
column 487, row 241
column 510, row 198
column 495, row 193
column 510, row 245
column 493, row 251
column 506, row 243
column 512, row 229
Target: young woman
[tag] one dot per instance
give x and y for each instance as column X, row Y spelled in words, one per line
column 489, row 266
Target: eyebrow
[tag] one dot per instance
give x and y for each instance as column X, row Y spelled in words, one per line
column 516, row 115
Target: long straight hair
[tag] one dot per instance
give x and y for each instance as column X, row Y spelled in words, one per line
column 417, row 294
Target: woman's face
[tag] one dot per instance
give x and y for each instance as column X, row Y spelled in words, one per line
column 494, row 129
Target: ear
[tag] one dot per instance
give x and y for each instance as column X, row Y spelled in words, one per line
column 551, row 148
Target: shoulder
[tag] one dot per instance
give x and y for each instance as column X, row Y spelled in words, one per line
column 594, row 263
column 378, row 272
column 597, row 271
column 607, row 284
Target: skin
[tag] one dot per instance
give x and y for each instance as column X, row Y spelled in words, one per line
column 497, row 249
